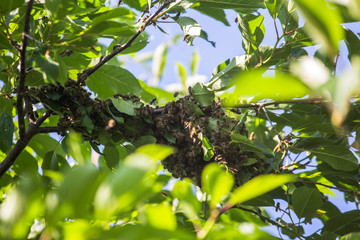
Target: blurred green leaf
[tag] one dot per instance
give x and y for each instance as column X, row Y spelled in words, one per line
column 181, row 72
column 78, row 148
column 216, row 183
column 25, row 164
column 322, row 28
column 6, row 132
column 111, row 155
column 306, row 201
column 202, row 95
column 121, row 190
column 159, row 60
column 194, row 62
column 207, row 147
column 160, row 216
column 188, row 202
column 253, row 83
column 110, row 80
column 156, row 151
column 258, row 186
column 8, row 6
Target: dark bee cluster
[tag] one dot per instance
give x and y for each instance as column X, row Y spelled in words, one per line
column 77, row 110
column 200, row 134
column 185, row 124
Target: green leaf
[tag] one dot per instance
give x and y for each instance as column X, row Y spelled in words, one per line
column 194, row 62
column 109, row 80
column 137, row 4
column 190, row 28
column 119, row 13
column 344, row 223
column 261, row 201
column 6, row 132
column 322, row 28
column 125, row 106
column 338, row 157
column 215, row 13
column 252, row 83
column 161, row 216
column 120, row 191
column 240, row 5
column 42, row 144
column 273, row 7
column 58, row 9
column 207, row 148
column 306, row 201
column 8, row 6
column 156, row 151
column 252, row 30
column 181, row 72
column 216, row 183
column 50, row 162
column 79, row 150
column 111, row 155
column 258, row 186
column 237, row 138
column 224, row 78
column 188, row 202
column 25, row 163
column 352, row 42
column 4, row 42
column 202, row 95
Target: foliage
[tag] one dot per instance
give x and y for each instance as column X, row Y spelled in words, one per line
column 88, row 151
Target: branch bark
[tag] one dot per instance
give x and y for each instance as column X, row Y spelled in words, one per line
column 21, row 87
column 118, row 49
column 22, row 143
column 317, row 100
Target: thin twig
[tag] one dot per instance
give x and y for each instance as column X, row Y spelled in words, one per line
column 317, row 100
column 86, row 73
column 271, row 123
column 21, row 88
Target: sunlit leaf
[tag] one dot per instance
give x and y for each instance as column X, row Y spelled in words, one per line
column 216, row 183
column 160, row 216
column 322, row 28
column 253, row 83
column 159, row 60
column 190, row 28
column 259, row 186
column 156, row 151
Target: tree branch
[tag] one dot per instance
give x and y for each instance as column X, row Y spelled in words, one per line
column 21, row 87
column 22, row 143
column 118, row 49
column 317, row 100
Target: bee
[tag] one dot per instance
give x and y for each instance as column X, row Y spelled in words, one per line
column 119, row 2
column 153, row 101
column 176, row 94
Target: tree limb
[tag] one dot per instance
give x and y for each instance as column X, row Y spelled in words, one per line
column 118, row 49
column 21, row 87
column 22, row 143
column 316, row 100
